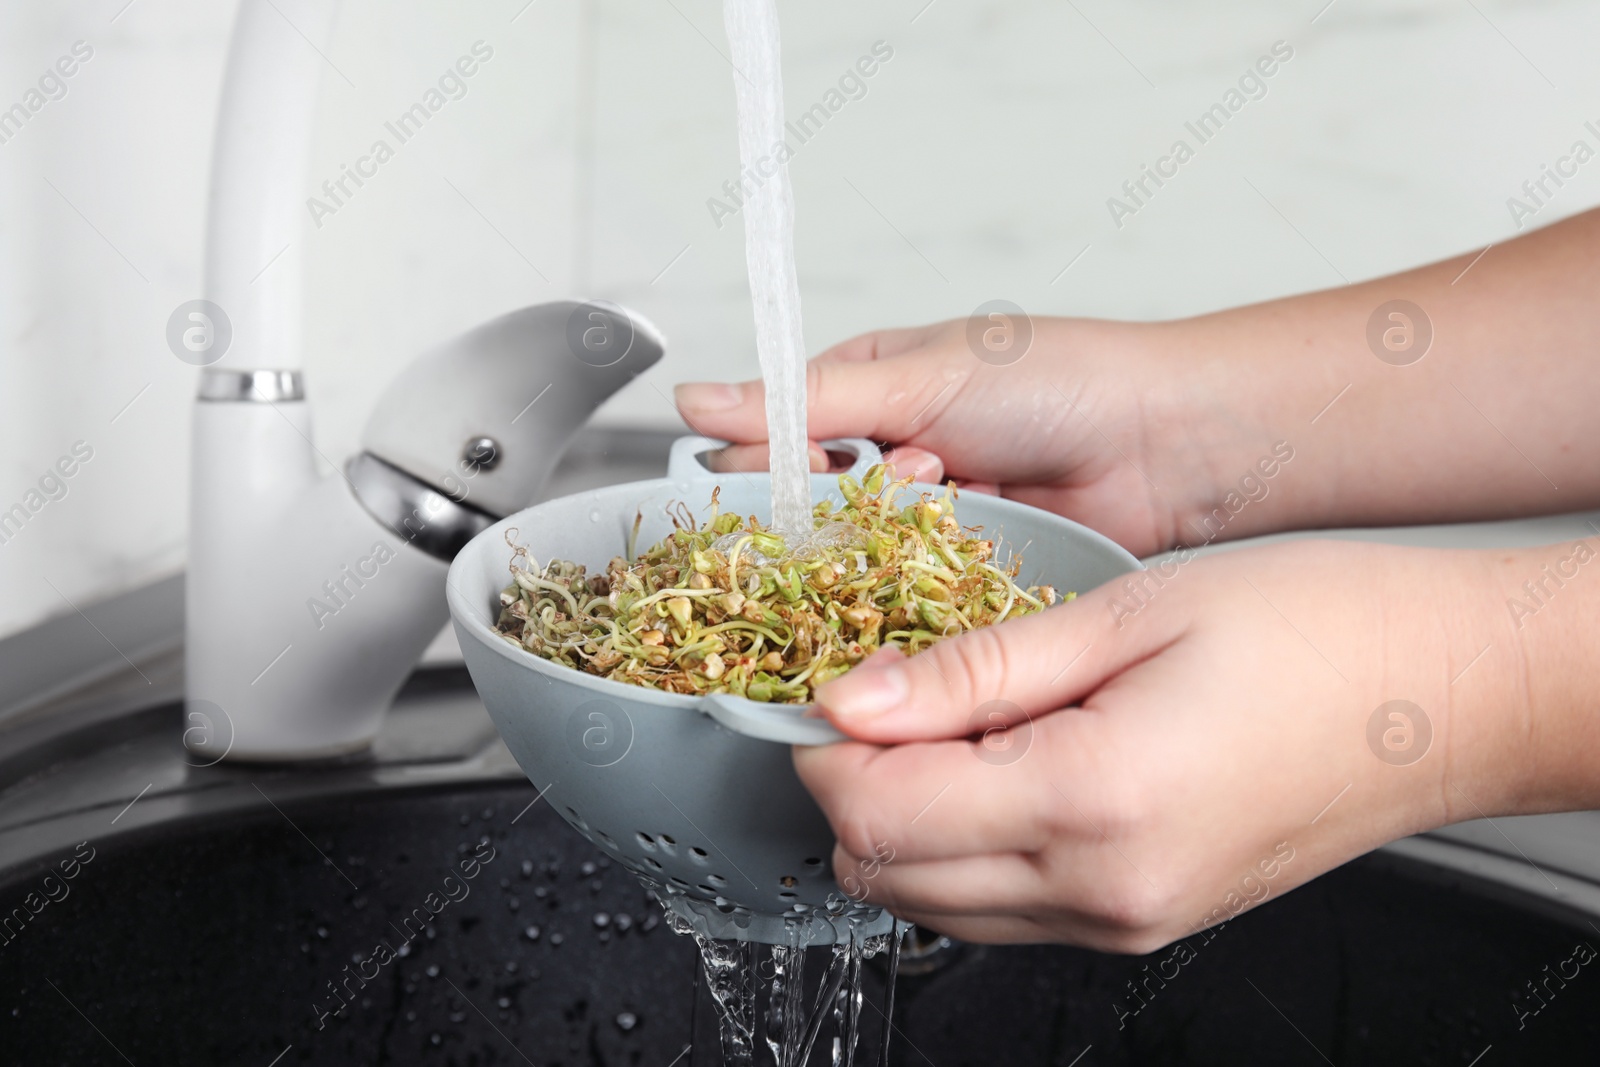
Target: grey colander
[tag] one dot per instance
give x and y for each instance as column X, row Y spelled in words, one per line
column 698, row 795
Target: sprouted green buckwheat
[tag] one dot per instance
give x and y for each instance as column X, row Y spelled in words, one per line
column 725, row 607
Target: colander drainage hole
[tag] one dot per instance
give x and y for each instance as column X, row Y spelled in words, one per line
column 813, row 865
column 788, row 881
column 788, row 896
column 645, row 840
column 709, row 889
column 654, row 863
column 679, row 882
column 698, row 854
column 716, row 879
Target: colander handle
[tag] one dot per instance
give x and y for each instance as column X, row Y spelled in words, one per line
column 784, row 723
column 683, row 462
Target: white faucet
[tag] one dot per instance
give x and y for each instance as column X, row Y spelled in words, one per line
column 309, row 598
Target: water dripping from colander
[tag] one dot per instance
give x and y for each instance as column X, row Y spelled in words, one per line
column 790, row 1032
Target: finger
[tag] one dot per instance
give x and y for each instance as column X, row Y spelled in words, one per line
column 1091, row 886
column 887, row 399
column 1083, row 901
column 879, row 344
column 1059, row 785
column 932, row 800
column 986, row 488
column 883, row 657
column 915, row 463
column 995, row 884
column 981, row 929
column 1002, row 896
column 1024, row 666
column 758, row 457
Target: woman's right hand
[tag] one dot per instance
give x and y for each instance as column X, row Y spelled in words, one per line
column 1095, row 422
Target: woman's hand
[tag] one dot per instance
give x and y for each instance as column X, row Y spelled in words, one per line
column 1189, row 742
column 1095, row 422
column 1146, row 431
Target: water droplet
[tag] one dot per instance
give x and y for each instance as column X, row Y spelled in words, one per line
column 504, row 1002
column 623, row 921
column 594, row 514
column 627, row 1021
column 322, row 932
column 601, row 920
column 557, row 937
column 527, row 868
column 513, row 903
column 435, row 1039
column 588, row 868
column 511, row 966
column 531, row 933
column 432, row 971
column 466, row 820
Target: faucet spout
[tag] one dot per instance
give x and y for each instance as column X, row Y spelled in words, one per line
column 259, row 167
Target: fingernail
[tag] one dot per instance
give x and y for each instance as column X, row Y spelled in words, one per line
column 862, row 695
column 910, row 462
column 708, row 396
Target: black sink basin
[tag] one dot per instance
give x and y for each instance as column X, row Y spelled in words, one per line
column 214, row 931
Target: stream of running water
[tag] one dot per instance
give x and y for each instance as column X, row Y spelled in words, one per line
column 768, row 212
column 738, row 973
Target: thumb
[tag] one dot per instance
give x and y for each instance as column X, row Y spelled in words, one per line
column 1030, row 666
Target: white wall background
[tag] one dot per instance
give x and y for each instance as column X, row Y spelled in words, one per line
column 983, row 154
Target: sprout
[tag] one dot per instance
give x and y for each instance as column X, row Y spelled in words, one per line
column 728, row 607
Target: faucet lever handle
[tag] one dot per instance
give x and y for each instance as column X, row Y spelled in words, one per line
column 483, row 418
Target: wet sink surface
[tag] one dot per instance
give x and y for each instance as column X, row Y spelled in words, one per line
column 215, row 940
